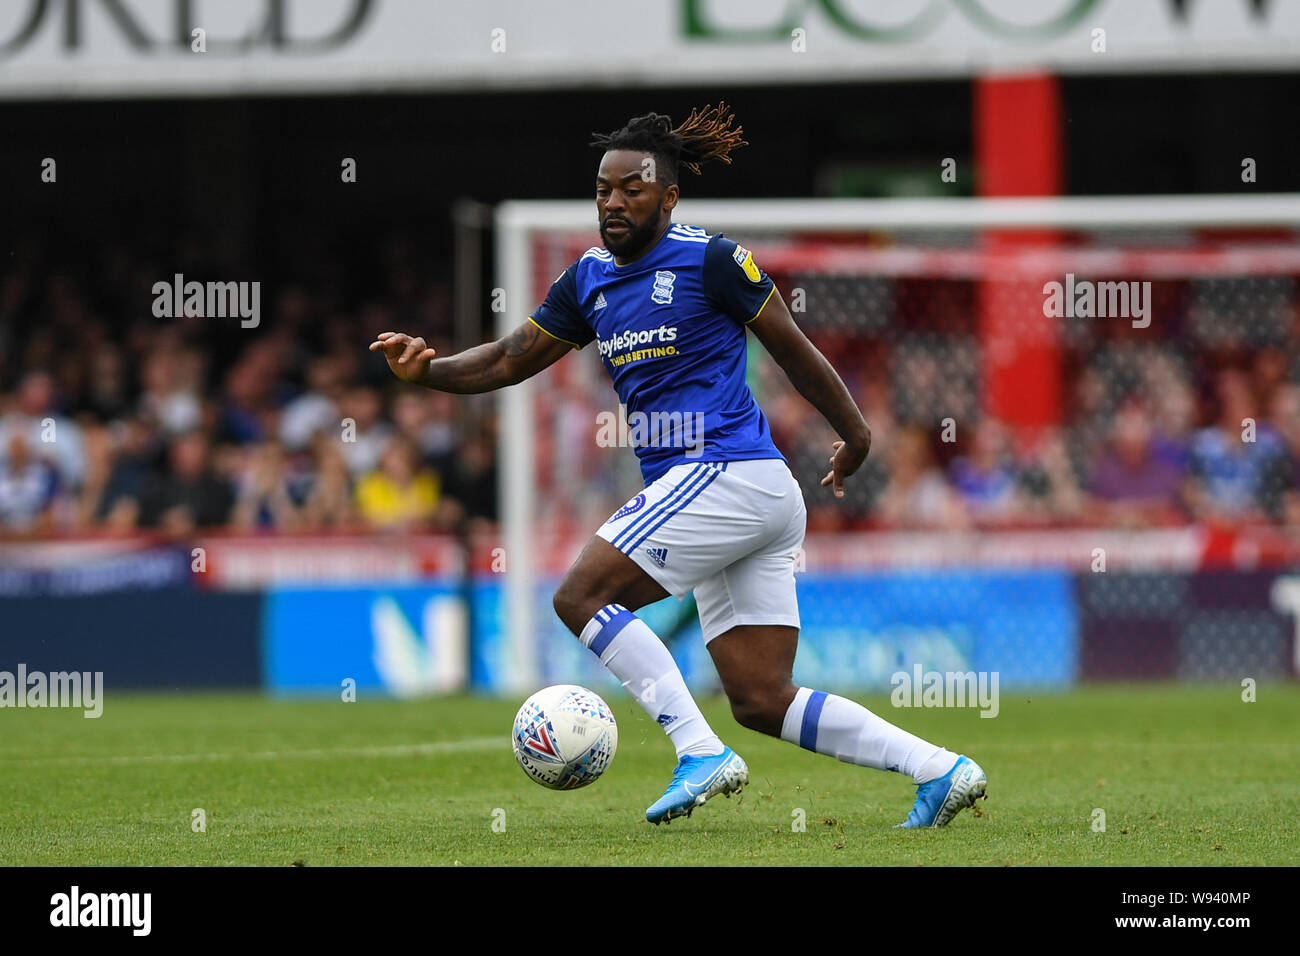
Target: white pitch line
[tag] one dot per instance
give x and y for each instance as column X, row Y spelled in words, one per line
column 398, row 750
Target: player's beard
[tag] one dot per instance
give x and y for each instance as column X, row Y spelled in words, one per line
column 633, row 242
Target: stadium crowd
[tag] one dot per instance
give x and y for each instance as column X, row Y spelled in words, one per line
column 1165, row 449
column 113, row 420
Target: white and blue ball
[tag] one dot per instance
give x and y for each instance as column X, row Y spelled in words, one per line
column 565, row 737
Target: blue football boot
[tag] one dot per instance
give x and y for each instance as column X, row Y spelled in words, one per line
column 938, row 801
column 695, row 780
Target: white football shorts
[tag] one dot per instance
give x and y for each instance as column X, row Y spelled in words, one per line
column 729, row 531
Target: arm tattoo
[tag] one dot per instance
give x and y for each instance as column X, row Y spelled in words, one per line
column 486, row 367
column 521, row 341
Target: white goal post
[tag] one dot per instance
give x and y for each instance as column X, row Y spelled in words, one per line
column 519, row 224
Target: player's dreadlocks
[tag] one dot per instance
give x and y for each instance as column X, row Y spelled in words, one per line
column 705, row 135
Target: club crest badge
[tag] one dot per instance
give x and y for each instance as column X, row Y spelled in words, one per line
column 631, row 508
column 663, row 290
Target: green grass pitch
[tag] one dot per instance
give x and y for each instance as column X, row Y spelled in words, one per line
column 1185, row 775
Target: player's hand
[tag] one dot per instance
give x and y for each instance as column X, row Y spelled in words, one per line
column 845, row 461
column 408, row 357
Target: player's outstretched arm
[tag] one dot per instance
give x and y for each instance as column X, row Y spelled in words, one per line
column 814, row 378
column 520, row 355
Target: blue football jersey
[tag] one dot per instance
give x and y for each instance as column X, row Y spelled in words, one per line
column 670, row 328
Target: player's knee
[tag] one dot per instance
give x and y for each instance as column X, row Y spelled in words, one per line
column 574, row 603
column 762, row 709
column 564, row 605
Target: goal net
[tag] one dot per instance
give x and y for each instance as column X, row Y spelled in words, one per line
column 1048, row 381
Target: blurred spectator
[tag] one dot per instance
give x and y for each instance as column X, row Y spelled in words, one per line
column 1050, row 490
column 400, row 494
column 329, row 497
column 364, row 434
column 425, row 418
column 249, row 399
column 1132, row 485
column 917, row 496
column 48, row 435
column 190, row 494
column 1282, row 483
column 128, row 480
column 1231, row 458
column 316, row 409
column 986, row 480
column 472, row 482
column 106, row 397
column 167, row 399
column 270, row 493
column 27, row 488
column 1173, row 408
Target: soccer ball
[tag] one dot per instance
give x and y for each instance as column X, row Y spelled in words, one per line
column 565, row 737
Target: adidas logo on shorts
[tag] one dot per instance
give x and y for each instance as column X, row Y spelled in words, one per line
column 658, row 555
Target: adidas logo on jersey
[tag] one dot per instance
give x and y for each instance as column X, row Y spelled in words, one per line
column 658, row 555
column 600, row 302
